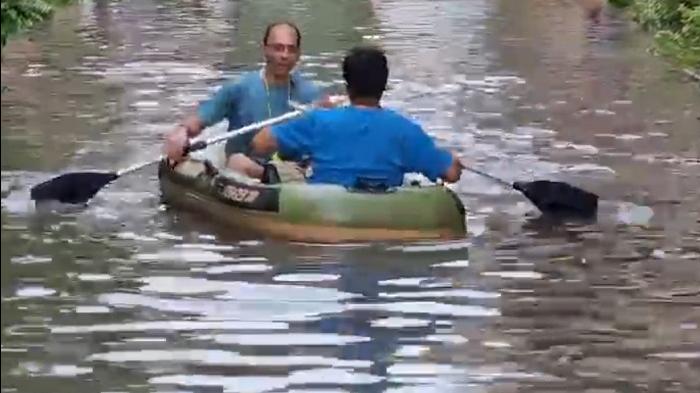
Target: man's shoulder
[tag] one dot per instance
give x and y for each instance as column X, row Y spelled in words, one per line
column 298, row 78
column 400, row 119
column 391, row 120
column 304, row 85
column 235, row 84
column 243, row 79
column 340, row 112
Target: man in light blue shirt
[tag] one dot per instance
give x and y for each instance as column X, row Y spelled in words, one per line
column 254, row 96
column 363, row 145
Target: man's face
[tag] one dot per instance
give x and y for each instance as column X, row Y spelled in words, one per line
column 281, row 50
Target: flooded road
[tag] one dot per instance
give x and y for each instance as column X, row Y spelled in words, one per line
column 129, row 296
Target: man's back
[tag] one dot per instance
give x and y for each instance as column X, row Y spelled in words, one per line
column 347, row 145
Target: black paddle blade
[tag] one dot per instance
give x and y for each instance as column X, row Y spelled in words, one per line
column 75, row 188
column 559, row 199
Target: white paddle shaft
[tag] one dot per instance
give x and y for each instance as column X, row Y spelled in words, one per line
column 219, row 138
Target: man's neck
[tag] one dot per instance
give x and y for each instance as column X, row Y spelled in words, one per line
column 365, row 102
column 273, row 79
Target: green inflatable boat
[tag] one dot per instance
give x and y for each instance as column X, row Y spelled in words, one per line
column 310, row 212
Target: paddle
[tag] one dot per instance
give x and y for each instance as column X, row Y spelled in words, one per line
column 553, row 198
column 80, row 187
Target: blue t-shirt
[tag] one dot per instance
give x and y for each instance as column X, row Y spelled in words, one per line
column 245, row 100
column 350, row 143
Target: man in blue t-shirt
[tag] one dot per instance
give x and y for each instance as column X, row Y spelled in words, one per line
column 253, row 97
column 362, row 144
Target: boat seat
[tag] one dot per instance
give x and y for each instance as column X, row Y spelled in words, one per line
column 369, row 184
column 270, row 174
column 275, row 172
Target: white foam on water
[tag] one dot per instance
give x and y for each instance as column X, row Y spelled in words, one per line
column 504, row 79
column 258, row 305
column 240, row 290
column 515, row 274
column 289, row 339
column 449, row 293
column 430, row 308
column 178, row 325
column 446, row 246
column 603, row 112
column 590, row 168
column 648, row 158
column 183, row 255
column 423, row 369
column 518, row 137
column 167, row 236
column 405, row 282
column 261, row 384
column 250, row 243
column 421, row 385
column 632, row 214
column 240, row 268
column 68, row 370
column 338, row 376
column 305, row 277
column 94, row 277
column 206, row 246
column 147, row 91
column 421, row 282
column 476, row 225
column 92, row 310
column 14, row 350
column 496, row 344
column 456, row 264
column 446, row 339
column 34, row 291
column 676, row 355
column 19, row 202
column 29, row 259
column 399, row 322
column 628, row 137
column 205, row 357
column 250, row 259
column 411, row 351
column 585, row 149
column 146, row 340
column 134, row 236
column 239, row 384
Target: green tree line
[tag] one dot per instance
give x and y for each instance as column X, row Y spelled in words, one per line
column 19, row 15
column 674, row 23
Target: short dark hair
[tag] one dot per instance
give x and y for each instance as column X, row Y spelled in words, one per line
column 365, row 71
column 272, row 25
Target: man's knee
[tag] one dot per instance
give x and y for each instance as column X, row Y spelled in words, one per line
column 237, row 161
column 241, row 163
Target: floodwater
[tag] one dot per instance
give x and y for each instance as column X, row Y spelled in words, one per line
column 129, row 296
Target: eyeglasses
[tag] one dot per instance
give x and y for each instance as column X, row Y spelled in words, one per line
column 282, row 47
